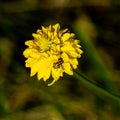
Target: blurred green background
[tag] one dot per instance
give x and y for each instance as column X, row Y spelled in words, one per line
column 96, row 24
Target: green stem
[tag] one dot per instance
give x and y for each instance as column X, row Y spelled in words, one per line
column 95, row 60
column 96, row 89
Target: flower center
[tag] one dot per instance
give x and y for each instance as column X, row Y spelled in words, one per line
column 44, row 45
column 49, row 45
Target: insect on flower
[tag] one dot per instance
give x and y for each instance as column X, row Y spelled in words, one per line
column 58, row 63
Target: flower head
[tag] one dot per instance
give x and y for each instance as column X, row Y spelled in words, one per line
column 52, row 52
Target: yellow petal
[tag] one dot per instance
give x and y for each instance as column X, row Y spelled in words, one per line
column 39, row 31
column 33, row 53
column 65, row 30
column 67, row 68
column 73, row 54
column 74, row 63
column 47, row 69
column 38, row 66
column 47, row 73
column 52, row 82
column 70, row 51
column 44, row 29
column 79, row 51
column 27, row 52
column 36, row 36
column 67, row 48
column 56, row 73
column 30, row 43
column 56, row 27
column 29, row 62
column 65, row 57
column 50, row 27
column 66, row 37
column 40, row 75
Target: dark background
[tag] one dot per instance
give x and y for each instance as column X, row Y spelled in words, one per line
column 25, row 98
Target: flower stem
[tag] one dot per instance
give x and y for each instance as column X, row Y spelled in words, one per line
column 96, row 89
column 94, row 58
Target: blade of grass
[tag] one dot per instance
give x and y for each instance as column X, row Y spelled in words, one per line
column 97, row 90
column 94, row 59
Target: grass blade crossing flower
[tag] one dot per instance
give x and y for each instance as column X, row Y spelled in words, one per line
column 52, row 52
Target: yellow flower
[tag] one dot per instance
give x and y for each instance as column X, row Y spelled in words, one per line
column 52, row 52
